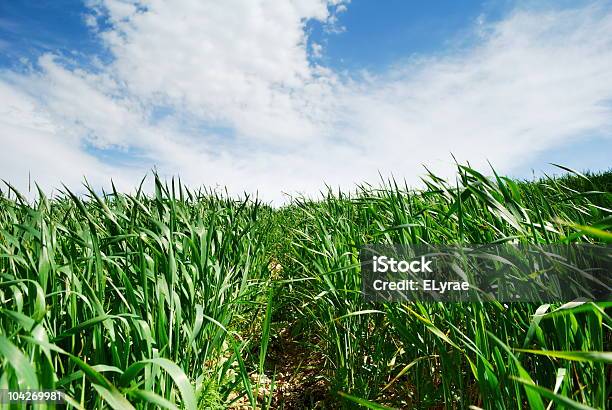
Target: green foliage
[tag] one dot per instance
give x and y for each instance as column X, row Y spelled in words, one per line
column 431, row 354
column 171, row 300
column 119, row 297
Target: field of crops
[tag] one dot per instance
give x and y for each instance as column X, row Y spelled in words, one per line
column 189, row 299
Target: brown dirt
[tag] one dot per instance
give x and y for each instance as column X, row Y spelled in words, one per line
column 298, row 383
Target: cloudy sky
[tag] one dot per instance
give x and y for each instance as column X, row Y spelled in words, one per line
column 283, row 96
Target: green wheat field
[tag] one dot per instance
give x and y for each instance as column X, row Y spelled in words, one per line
column 188, row 298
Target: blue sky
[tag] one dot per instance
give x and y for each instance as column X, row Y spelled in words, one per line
column 227, row 93
column 30, row 28
column 375, row 37
column 372, row 37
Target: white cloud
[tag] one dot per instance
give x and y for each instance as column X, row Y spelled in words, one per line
column 537, row 80
column 317, row 50
column 34, row 149
column 236, row 63
column 244, row 107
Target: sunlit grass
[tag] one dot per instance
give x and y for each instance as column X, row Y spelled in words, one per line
column 172, row 300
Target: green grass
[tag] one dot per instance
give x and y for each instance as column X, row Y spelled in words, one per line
column 175, row 300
